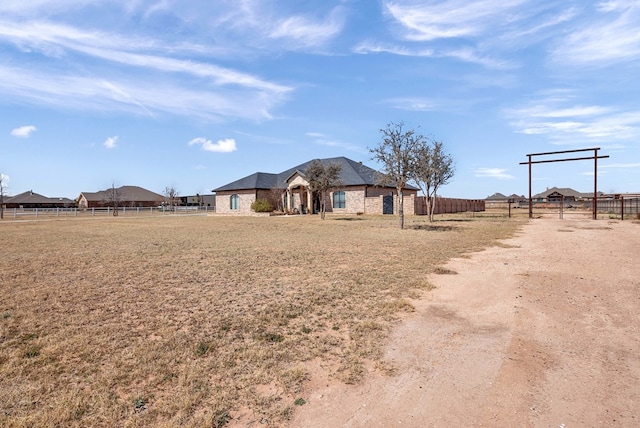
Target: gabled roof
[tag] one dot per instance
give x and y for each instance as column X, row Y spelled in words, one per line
column 31, row 197
column 496, row 197
column 352, row 173
column 258, row 180
column 565, row 191
column 127, row 193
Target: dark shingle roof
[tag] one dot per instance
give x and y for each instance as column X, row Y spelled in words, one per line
column 352, row 173
column 496, row 197
column 258, row 180
column 127, row 193
column 31, row 197
column 565, row 191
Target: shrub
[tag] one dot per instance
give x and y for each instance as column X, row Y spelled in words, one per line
column 261, row 206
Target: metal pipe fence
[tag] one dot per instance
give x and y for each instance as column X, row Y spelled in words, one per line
column 25, row 213
column 627, row 208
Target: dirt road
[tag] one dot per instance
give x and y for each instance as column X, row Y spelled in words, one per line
column 543, row 331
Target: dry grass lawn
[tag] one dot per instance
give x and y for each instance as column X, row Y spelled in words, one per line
column 194, row 321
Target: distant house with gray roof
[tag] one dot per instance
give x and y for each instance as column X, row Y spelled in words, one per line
column 31, row 200
column 360, row 191
column 558, row 194
column 128, row 196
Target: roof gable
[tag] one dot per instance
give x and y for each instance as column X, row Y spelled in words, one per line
column 258, row 180
column 496, row 197
column 352, row 173
column 31, row 197
column 127, row 193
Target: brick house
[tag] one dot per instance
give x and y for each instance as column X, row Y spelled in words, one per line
column 557, row 194
column 128, row 196
column 32, row 200
column 359, row 192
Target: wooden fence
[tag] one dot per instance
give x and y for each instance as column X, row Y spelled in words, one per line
column 449, row 205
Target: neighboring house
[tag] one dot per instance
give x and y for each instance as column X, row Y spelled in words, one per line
column 498, row 200
column 359, row 192
column 31, row 199
column 556, row 194
column 127, row 196
column 497, row 197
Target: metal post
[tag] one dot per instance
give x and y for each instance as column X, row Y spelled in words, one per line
column 595, row 184
column 530, row 202
column 621, row 207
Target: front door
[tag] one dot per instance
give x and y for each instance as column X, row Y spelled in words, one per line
column 387, row 204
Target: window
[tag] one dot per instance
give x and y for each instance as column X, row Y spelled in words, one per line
column 235, row 202
column 339, row 200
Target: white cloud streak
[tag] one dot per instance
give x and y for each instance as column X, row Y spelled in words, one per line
column 412, row 104
column 23, row 131
column 432, row 20
column 499, row 173
column 157, row 79
column 227, row 145
column 137, row 94
column 303, row 31
column 110, row 143
column 610, row 37
column 576, row 124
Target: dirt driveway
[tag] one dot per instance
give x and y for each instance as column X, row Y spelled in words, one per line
column 543, row 331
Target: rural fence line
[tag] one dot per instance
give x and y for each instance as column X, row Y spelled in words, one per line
column 102, row 212
column 630, row 206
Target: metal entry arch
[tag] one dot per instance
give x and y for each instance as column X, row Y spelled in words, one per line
column 595, row 158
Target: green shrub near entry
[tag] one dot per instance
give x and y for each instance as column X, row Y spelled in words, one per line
column 261, row 206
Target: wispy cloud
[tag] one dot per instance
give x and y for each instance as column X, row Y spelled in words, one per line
column 137, row 94
column 576, row 124
column 154, row 69
column 609, row 37
column 227, row 145
column 465, row 53
column 499, row 173
column 110, row 143
column 482, row 32
column 327, row 141
column 411, row 104
column 23, row 131
column 303, row 31
column 434, row 19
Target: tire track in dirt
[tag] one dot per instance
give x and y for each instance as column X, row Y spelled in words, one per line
column 542, row 331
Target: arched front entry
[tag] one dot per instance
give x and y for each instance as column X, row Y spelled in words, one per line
column 299, row 197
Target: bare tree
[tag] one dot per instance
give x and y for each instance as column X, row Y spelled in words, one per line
column 275, row 198
column 113, row 197
column 322, row 179
column 4, row 179
column 396, row 153
column 171, row 194
column 433, row 168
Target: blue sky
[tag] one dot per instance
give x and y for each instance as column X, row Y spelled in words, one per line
column 195, row 94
